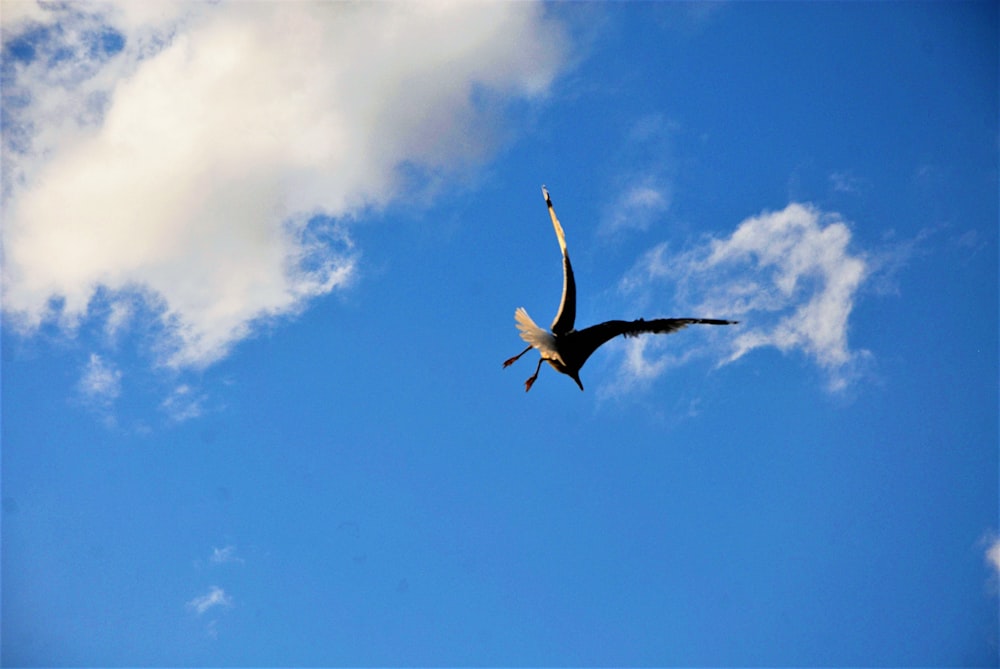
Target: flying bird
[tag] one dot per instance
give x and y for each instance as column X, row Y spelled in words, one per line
column 566, row 348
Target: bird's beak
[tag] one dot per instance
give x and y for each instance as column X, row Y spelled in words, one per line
column 576, row 377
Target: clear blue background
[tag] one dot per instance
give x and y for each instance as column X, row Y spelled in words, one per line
column 390, row 496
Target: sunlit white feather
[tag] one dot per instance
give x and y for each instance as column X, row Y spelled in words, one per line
column 540, row 338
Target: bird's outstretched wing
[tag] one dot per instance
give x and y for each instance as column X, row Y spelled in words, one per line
column 588, row 340
column 566, row 316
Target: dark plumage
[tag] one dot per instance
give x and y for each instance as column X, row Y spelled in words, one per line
column 567, row 349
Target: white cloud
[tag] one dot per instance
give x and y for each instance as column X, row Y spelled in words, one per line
column 207, row 157
column 224, row 555
column 846, row 182
column 993, row 555
column 647, row 358
column 21, row 10
column 120, row 312
column 644, row 182
column 183, row 403
column 789, row 275
column 638, row 205
column 101, row 381
column 216, row 596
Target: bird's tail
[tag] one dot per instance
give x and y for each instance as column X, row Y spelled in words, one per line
column 530, row 332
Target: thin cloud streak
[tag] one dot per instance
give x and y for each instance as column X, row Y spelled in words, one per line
column 208, row 158
column 789, row 275
column 224, row 556
column 216, row 596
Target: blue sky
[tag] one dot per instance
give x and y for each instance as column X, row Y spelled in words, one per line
column 260, row 269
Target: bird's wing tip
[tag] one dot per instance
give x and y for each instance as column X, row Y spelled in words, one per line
column 560, row 235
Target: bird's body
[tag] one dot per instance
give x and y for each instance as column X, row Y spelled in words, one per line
column 567, row 349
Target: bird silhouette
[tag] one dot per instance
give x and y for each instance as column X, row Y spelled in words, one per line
column 566, row 348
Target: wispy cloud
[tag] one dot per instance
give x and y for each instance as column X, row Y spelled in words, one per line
column 846, row 182
column 638, row 204
column 209, row 158
column 643, row 183
column 989, row 543
column 120, row 312
column 183, row 403
column 100, row 383
column 224, row 556
column 993, row 555
column 216, row 596
column 790, row 276
column 641, row 366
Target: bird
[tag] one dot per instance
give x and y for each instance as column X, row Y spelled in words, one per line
column 565, row 348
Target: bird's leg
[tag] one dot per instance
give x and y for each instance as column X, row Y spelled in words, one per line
column 510, row 361
column 531, row 381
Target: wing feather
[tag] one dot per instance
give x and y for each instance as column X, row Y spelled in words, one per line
column 588, row 340
column 566, row 316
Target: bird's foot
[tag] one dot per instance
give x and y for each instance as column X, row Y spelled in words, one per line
column 510, row 361
column 529, row 383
